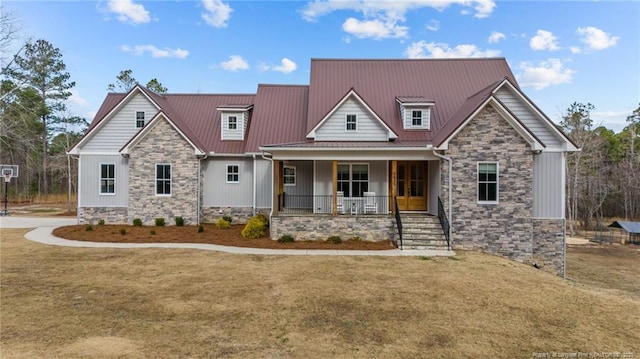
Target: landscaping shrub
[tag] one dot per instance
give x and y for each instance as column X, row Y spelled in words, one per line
column 153, row 232
column 179, row 221
column 159, row 222
column 200, row 228
column 227, row 218
column 256, row 227
column 355, row 239
column 334, row 239
column 137, row 222
column 101, row 222
column 287, row 238
column 88, row 228
column 123, row 231
column 262, row 218
column 223, row 223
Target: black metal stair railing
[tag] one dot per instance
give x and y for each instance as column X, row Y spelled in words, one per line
column 398, row 222
column 444, row 222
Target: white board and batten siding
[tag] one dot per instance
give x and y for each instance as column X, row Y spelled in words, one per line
column 548, row 185
column 90, row 195
column 368, row 128
column 264, row 187
column 219, row 193
column 528, row 118
column 120, row 128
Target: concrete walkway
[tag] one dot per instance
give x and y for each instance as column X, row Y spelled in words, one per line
column 44, row 227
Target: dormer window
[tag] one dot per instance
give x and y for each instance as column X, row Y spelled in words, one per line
column 233, row 123
column 416, row 118
column 352, row 122
column 139, row 119
column 415, row 112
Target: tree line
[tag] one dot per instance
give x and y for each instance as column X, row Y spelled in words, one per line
column 36, row 127
column 37, row 130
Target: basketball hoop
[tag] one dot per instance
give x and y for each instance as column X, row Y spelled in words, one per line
column 7, row 177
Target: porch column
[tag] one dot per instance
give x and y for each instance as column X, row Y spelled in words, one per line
column 334, row 176
column 394, row 185
column 276, row 186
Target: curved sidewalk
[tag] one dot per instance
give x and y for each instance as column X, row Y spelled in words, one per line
column 45, row 226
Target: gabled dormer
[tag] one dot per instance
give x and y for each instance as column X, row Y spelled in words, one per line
column 351, row 119
column 415, row 112
column 234, row 121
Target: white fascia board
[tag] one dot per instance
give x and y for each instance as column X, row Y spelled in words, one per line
column 568, row 146
column 408, row 155
column 533, row 142
column 246, row 154
column 107, row 117
column 142, row 133
column 312, row 134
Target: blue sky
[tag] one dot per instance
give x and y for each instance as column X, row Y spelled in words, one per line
column 560, row 51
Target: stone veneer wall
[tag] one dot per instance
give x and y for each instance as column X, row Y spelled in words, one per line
column 504, row 228
column 238, row 214
column 302, row 228
column 92, row 215
column 163, row 145
column 548, row 244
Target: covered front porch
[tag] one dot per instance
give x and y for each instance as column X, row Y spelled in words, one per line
column 355, row 187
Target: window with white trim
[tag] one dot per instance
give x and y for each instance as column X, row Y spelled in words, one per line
column 139, row 119
column 351, row 123
column 416, row 118
column 232, row 123
column 487, row 182
column 107, row 178
column 289, row 176
column 233, row 174
column 353, row 179
column 163, row 179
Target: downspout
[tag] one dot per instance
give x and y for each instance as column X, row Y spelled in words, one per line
column 198, row 190
column 270, row 160
column 448, row 159
column 255, row 185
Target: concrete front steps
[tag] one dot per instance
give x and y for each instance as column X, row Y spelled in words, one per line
column 422, row 232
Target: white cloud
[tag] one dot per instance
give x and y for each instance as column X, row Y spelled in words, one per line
column 216, row 13
column 76, row 99
column 391, row 9
column 544, row 40
column 433, row 25
column 382, row 19
column 544, row 74
column 235, row 63
column 376, row 29
column 423, row 49
column 496, row 36
column 595, row 38
column 575, row 50
column 286, row 66
column 128, row 11
column 156, row 52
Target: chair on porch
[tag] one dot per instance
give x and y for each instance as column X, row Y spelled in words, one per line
column 340, row 201
column 370, row 205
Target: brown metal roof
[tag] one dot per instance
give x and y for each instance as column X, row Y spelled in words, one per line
column 279, row 115
column 200, row 114
column 286, row 113
column 447, row 82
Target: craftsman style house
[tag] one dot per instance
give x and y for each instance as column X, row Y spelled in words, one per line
column 376, row 149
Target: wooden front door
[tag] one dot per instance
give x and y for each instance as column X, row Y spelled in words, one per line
column 412, row 186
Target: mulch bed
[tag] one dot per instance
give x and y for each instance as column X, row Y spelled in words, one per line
column 210, row 235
